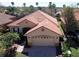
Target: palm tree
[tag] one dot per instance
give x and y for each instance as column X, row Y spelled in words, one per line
column 12, row 3
column 54, row 7
column 31, row 8
column 50, row 6
column 12, row 8
column 37, row 4
column 24, row 4
column 77, row 5
column 64, row 6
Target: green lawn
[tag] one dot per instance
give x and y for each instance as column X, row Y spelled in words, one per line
column 18, row 54
column 74, row 52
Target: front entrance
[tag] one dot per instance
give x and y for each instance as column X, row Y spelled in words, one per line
column 25, row 29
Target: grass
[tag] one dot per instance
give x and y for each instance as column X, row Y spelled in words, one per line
column 19, row 54
column 75, row 52
column 2, row 52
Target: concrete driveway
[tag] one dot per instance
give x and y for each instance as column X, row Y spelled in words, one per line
column 41, row 51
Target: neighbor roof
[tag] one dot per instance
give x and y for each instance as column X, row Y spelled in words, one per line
column 5, row 18
column 47, row 24
column 35, row 17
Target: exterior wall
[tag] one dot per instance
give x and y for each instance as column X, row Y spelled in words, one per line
column 43, row 38
column 16, row 29
column 22, row 25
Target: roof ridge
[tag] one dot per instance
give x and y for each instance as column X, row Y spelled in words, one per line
column 43, row 13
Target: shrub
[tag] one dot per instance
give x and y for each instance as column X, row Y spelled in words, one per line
column 8, row 39
column 2, row 51
column 75, row 52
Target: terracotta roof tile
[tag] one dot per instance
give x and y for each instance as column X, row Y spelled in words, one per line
column 47, row 24
column 4, row 18
column 36, row 18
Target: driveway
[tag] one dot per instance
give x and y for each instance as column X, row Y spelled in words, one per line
column 41, row 51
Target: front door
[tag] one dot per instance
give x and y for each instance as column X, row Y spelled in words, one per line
column 25, row 30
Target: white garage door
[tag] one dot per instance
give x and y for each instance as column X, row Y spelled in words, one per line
column 43, row 42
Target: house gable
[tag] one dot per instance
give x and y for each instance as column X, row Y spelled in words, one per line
column 42, row 31
column 43, row 37
column 26, row 23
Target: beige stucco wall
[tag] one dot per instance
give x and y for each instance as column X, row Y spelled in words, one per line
column 23, row 24
column 43, row 38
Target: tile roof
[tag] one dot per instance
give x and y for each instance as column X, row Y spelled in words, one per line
column 35, row 17
column 47, row 24
column 5, row 18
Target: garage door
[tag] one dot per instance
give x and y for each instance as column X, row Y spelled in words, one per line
column 43, row 42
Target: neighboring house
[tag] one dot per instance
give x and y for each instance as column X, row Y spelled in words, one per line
column 24, row 24
column 6, row 19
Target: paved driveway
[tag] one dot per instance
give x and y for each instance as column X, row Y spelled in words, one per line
column 41, row 51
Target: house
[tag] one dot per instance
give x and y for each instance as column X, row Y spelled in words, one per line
column 6, row 19
column 38, row 27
